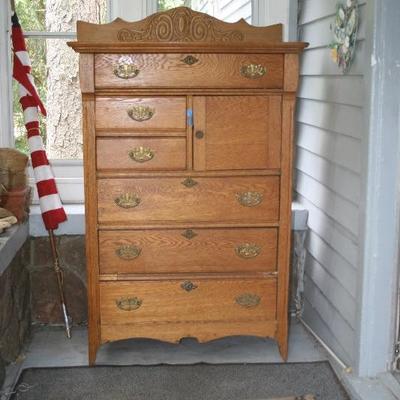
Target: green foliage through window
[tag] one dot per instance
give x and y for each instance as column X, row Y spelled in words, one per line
column 167, row 4
column 31, row 14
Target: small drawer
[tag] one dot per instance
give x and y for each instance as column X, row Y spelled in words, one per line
column 200, row 199
column 206, row 300
column 189, row 70
column 188, row 250
column 141, row 154
column 141, row 113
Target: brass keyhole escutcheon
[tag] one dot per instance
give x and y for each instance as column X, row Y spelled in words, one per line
column 189, row 234
column 199, row 134
column 189, row 182
column 190, row 60
column 188, row 286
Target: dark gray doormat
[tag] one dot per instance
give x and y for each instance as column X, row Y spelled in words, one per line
column 182, row 382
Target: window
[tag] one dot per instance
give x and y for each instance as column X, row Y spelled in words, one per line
column 48, row 25
column 227, row 10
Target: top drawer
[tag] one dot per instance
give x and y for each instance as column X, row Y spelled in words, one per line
column 189, row 70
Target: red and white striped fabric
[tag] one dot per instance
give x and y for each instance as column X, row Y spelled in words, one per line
column 50, row 203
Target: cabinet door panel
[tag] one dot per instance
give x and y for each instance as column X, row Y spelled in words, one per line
column 237, row 132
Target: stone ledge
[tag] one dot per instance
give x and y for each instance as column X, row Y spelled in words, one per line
column 11, row 240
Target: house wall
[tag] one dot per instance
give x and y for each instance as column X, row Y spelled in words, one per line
column 328, row 176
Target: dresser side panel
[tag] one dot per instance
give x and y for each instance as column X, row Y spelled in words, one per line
column 89, row 158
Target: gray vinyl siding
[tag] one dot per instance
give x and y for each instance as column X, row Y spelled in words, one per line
column 329, row 123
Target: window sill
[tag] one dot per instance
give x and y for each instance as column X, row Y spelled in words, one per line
column 75, row 225
column 11, row 240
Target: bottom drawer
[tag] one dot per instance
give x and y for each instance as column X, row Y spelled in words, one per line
column 135, row 302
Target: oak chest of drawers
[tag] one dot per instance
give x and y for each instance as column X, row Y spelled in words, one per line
column 188, row 125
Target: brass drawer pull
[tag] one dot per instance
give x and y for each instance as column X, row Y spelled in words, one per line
column 253, row 71
column 190, row 60
column 248, row 250
column 249, row 199
column 141, row 113
column 188, row 286
column 189, row 234
column 141, row 154
column 128, row 303
column 189, row 182
column 127, row 200
column 126, row 69
column 248, row 300
column 128, row 252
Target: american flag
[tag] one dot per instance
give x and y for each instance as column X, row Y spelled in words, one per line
column 50, row 203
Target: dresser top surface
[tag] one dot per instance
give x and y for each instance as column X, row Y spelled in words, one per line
column 178, row 30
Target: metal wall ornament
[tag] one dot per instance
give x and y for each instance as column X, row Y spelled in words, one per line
column 345, row 27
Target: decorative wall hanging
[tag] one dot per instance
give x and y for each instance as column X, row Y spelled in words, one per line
column 344, row 31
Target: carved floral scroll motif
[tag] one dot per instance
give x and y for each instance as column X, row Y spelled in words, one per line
column 180, row 25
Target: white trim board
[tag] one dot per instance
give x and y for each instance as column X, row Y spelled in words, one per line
column 6, row 125
column 379, row 233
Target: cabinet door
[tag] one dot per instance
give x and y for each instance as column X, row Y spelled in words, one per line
column 236, row 132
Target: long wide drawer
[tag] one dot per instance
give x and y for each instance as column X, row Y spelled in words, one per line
column 141, row 154
column 141, row 113
column 188, row 250
column 200, row 199
column 123, row 303
column 189, row 70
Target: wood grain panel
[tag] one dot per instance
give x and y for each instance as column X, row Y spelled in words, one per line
column 211, row 70
column 167, row 199
column 288, row 105
column 169, row 154
column 175, row 331
column 167, row 301
column 169, row 251
column 240, row 132
column 112, row 113
column 91, row 239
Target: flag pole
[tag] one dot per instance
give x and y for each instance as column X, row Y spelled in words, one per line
column 56, row 262
column 60, row 281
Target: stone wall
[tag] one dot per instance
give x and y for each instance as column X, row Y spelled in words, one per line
column 45, row 296
column 15, row 314
column 45, row 300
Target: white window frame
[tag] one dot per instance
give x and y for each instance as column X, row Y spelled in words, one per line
column 68, row 173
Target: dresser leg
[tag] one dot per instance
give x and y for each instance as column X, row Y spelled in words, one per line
column 93, row 347
column 283, row 349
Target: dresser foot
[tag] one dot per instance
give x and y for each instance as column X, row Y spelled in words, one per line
column 283, row 348
column 92, row 354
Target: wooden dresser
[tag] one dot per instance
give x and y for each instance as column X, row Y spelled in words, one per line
column 188, row 125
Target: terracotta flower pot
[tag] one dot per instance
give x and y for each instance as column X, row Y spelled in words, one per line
column 17, row 201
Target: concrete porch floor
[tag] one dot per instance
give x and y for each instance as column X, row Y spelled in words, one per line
column 50, row 348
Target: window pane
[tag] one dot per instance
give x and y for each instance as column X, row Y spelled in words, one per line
column 59, row 15
column 167, row 4
column 226, row 10
column 55, row 69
